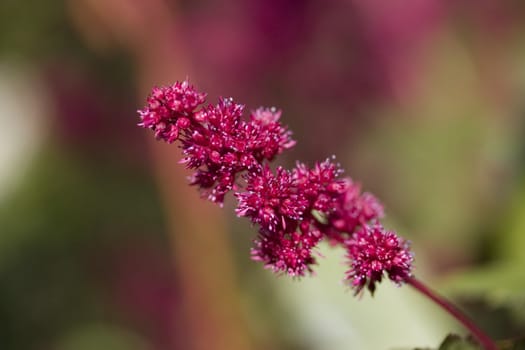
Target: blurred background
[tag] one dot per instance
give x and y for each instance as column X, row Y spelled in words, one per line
column 104, row 246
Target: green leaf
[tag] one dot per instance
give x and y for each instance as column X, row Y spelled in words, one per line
column 513, row 344
column 455, row 342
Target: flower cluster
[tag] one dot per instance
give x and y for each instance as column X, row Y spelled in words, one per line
column 373, row 251
column 352, row 210
column 293, row 210
column 282, row 252
column 272, row 200
column 215, row 140
column 169, row 109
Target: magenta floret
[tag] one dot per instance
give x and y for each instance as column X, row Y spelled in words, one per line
column 169, row 110
column 268, row 136
column 272, row 200
column 294, row 210
column 372, row 252
column 352, row 210
column 289, row 253
column 320, row 184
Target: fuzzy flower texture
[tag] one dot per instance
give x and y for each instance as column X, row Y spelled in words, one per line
column 293, row 209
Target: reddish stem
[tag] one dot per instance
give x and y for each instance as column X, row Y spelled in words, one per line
column 483, row 339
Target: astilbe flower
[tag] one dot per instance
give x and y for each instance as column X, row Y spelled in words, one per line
column 169, row 108
column 289, row 253
column 294, row 210
column 352, row 210
column 283, row 204
column 272, row 200
column 268, row 136
column 372, row 252
column 227, row 145
column 320, row 184
column 216, row 142
column 216, row 148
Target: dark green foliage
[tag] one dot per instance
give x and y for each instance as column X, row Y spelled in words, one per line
column 55, row 228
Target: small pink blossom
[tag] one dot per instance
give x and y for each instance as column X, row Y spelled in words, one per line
column 272, row 201
column 372, row 251
column 352, row 210
column 289, row 253
column 268, row 136
column 169, row 109
column 320, row 184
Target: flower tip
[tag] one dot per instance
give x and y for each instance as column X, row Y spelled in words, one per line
column 374, row 252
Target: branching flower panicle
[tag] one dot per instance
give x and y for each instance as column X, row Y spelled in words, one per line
column 294, row 210
column 215, row 140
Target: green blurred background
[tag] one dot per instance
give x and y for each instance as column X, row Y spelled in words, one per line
column 104, row 246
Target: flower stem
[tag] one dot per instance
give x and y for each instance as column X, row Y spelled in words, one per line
column 483, row 339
